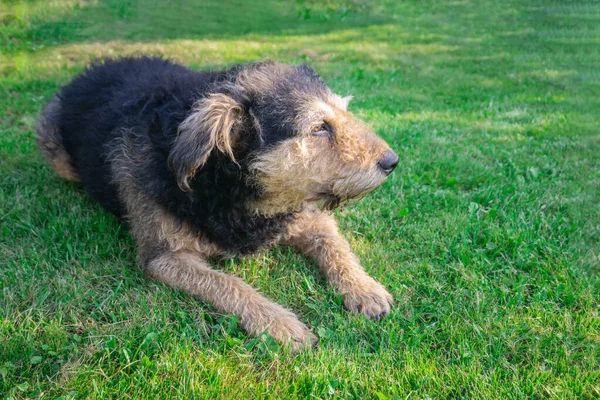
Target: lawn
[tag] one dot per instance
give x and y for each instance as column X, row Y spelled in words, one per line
column 487, row 235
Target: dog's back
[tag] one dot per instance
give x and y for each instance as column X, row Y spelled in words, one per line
column 76, row 129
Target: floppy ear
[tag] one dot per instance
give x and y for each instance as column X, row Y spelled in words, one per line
column 209, row 126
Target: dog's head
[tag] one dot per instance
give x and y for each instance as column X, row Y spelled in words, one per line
column 296, row 138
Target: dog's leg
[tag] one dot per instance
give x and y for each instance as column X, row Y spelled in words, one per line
column 191, row 273
column 173, row 254
column 316, row 234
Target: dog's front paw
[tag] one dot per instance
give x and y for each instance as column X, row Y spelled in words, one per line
column 288, row 329
column 369, row 298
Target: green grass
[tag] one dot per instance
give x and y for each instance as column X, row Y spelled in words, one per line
column 487, row 235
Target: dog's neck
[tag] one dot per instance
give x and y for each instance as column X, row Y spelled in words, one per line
column 220, row 207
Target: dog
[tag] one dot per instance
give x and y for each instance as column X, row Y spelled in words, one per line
column 221, row 163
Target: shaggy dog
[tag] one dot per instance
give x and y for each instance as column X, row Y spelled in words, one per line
column 221, row 163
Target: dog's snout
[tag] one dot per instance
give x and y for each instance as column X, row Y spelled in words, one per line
column 389, row 162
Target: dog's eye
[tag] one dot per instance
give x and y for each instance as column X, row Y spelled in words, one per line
column 322, row 130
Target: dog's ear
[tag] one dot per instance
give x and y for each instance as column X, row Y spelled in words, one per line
column 209, row 127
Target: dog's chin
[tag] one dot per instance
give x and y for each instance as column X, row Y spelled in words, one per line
column 331, row 201
column 325, row 200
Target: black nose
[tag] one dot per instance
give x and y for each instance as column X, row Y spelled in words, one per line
column 389, row 162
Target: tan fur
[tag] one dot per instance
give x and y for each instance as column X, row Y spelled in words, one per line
column 302, row 169
column 207, row 128
column 316, row 234
column 49, row 141
column 191, row 273
column 171, row 253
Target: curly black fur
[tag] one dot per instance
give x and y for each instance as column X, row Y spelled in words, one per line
column 144, row 100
